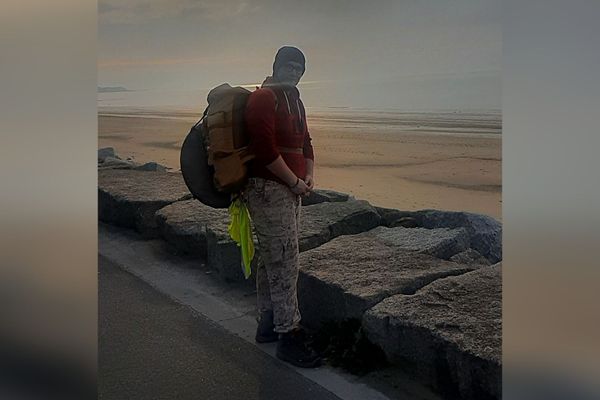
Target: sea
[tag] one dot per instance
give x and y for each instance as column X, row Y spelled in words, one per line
column 190, row 105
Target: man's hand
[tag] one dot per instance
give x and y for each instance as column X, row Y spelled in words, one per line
column 299, row 188
column 310, row 182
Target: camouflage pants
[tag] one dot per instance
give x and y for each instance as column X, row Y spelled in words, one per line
column 275, row 213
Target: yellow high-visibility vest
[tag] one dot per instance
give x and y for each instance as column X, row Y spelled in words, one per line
column 240, row 230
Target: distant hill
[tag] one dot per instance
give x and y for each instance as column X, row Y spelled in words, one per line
column 111, row 89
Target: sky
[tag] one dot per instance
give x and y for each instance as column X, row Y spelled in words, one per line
column 380, row 54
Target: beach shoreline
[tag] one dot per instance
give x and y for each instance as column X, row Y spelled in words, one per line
column 406, row 161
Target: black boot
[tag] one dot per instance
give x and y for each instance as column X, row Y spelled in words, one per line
column 293, row 349
column 264, row 331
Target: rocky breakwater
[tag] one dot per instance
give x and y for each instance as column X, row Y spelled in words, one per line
column 426, row 294
column 419, row 284
column 108, row 159
column 131, row 198
column 448, row 333
column 347, row 276
column 195, row 229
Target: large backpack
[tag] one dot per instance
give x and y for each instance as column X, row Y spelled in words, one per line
column 215, row 153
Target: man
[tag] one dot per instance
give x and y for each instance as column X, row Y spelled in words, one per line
column 281, row 172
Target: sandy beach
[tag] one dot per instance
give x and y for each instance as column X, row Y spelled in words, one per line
column 396, row 160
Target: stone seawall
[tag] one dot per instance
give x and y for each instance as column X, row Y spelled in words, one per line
column 425, row 286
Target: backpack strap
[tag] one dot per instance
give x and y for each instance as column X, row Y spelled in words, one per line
column 275, row 96
column 202, row 119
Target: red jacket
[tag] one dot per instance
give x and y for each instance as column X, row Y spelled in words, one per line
column 274, row 124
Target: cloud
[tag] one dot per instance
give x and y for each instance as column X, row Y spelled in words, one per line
column 301, row 83
column 105, row 7
column 112, row 89
column 151, row 62
column 143, row 11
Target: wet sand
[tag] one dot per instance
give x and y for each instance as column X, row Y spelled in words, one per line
column 400, row 162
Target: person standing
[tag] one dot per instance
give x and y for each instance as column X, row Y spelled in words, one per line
column 281, row 172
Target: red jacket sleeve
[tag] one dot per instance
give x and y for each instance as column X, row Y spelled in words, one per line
column 307, row 147
column 260, row 125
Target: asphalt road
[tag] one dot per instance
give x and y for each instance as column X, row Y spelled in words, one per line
column 151, row 347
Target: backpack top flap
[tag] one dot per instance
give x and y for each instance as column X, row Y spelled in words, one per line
column 227, row 139
column 226, row 108
column 224, row 89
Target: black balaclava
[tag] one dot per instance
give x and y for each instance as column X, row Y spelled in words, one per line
column 287, row 54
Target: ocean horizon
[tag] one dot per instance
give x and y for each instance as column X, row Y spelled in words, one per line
column 348, row 118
